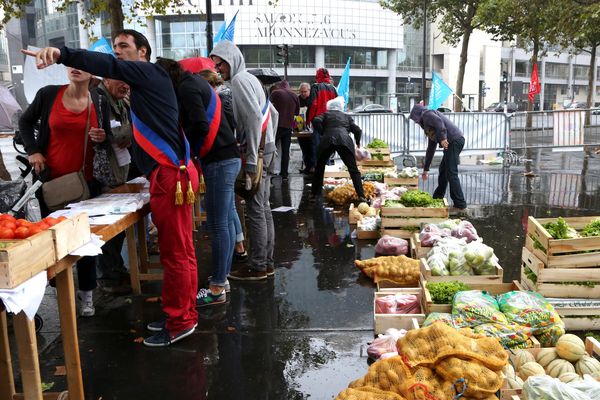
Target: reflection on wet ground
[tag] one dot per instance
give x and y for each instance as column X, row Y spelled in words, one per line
column 303, row 334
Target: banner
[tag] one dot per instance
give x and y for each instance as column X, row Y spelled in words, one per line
column 439, row 92
column 534, row 86
column 343, row 88
column 102, row 46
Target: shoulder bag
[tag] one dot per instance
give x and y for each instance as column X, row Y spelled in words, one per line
column 72, row 187
column 240, row 181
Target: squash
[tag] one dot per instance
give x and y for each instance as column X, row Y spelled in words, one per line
column 514, row 383
column 570, row 347
column 546, row 356
column 587, row 365
column 509, row 372
column 569, row 377
column 522, row 357
column 531, row 369
column 558, row 367
column 363, row 208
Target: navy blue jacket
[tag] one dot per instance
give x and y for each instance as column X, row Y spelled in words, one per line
column 153, row 98
column 437, row 128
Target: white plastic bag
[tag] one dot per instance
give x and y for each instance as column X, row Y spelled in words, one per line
column 544, row 387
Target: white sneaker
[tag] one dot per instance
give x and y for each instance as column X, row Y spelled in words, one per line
column 86, row 308
column 227, row 286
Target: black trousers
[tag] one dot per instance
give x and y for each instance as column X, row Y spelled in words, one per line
column 449, row 174
column 284, row 135
column 347, row 156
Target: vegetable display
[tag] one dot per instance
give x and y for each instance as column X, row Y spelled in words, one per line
column 431, row 233
column 408, row 172
column 452, row 256
column 443, row 292
column 399, row 269
column 342, row 195
column 377, row 144
column 591, row 229
column 417, row 198
column 560, row 229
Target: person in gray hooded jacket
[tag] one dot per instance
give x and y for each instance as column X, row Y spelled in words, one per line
column 441, row 131
column 254, row 116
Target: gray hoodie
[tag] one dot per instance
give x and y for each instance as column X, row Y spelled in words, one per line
column 249, row 99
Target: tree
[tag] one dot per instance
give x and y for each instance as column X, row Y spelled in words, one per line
column 457, row 21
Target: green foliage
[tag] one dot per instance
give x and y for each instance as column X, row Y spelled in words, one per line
column 11, row 9
column 530, row 274
column 443, row 292
column 559, row 229
column 377, row 144
column 416, row 198
column 591, row 229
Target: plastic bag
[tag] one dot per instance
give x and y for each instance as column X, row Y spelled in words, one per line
column 529, row 309
column 588, row 385
column 361, row 154
column 544, row 387
column 437, row 265
column 385, row 304
column 391, row 246
column 477, row 254
column 385, row 344
column 455, row 321
column 465, row 230
column 511, row 336
column 10, row 193
column 477, row 307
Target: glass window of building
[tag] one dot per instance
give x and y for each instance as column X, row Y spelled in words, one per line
column 557, row 70
column 521, row 68
column 180, row 36
column 581, row 71
column 3, row 49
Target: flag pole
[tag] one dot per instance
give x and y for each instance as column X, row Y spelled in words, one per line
column 462, row 102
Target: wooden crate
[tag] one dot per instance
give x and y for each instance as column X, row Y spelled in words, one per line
column 376, row 163
column 550, row 281
column 417, row 212
column 364, row 234
column 564, row 253
column 494, row 288
column 22, row 259
column 336, row 174
column 592, row 347
column 404, row 222
column 417, row 250
column 382, row 322
column 580, row 315
column 70, row 234
column 411, row 183
column 353, row 217
column 468, row 279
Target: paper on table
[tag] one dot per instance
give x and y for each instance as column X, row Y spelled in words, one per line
column 26, row 297
column 91, row 248
column 106, row 219
column 122, row 154
column 283, row 209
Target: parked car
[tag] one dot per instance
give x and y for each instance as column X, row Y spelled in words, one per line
column 499, row 107
column 371, row 108
column 445, row 110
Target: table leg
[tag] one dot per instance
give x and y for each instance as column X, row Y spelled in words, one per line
column 7, row 382
column 143, row 244
column 28, row 356
column 65, row 292
column 134, row 271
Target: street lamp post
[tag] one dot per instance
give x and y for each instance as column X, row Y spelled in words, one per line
column 423, row 72
column 209, row 31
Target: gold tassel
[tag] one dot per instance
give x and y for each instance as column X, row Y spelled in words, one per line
column 178, row 194
column 202, row 185
column 190, row 196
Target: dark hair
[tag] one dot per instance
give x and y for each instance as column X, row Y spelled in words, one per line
column 211, row 77
column 139, row 40
column 172, row 67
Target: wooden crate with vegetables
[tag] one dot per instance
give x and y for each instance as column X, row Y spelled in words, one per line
column 410, row 183
column 496, row 277
column 357, row 213
column 383, row 321
column 70, row 234
column 365, row 233
column 404, row 217
column 379, row 153
column 559, row 282
column 578, row 314
column 568, row 362
column 572, row 242
column 391, row 271
column 21, row 259
column 416, row 248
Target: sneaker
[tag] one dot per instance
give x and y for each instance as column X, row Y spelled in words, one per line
column 241, row 257
column 158, row 326
column 205, row 298
column 227, row 286
column 270, row 271
column 164, row 338
column 248, row 274
column 86, row 307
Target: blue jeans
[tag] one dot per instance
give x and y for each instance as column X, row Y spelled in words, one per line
column 220, row 209
column 449, row 174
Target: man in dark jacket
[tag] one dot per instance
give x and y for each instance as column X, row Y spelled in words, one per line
column 320, row 93
column 305, row 142
column 441, row 131
column 335, row 127
column 287, row 105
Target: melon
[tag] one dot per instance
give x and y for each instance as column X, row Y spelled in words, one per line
column 570, row 347
column 569, row 377
column 363, row 208
column 514, row 383
column 587, row 365
column 546, row 356
column 558, row 367
column 531, row 369
column 509, row 371
column 522, row 357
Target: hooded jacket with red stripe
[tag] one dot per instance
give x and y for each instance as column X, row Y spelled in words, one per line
column 320, row 93
column 153, row 98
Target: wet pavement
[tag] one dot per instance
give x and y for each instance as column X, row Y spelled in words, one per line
column 302, row 334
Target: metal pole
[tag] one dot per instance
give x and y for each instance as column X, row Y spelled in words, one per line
column 424, row 51
column 209, row 30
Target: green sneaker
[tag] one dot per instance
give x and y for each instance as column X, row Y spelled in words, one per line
column 205, row 298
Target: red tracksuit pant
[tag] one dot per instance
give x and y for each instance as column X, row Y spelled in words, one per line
column 176, row 245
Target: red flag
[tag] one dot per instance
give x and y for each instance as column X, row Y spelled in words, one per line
column 534, row 86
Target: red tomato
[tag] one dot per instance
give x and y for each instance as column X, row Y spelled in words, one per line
column 6, row 217
column 33, row 229
column 22, row 232
column 42, row 225
column 8, row 224
column 6, row 233
column 50, row 221
column 22, row 222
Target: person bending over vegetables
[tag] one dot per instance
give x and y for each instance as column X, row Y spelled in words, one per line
column 334, row 127
column 441, row 131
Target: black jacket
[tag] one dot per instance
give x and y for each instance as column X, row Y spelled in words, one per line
column 335, row 127
column 193, row 95
column 39, row 110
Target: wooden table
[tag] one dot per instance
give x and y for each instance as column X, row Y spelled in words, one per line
column 62, row 271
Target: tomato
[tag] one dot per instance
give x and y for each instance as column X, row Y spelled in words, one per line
column 42, row 225
column 6, row 217
column 22, row 232
column 50, row 221
column 61, row 218
column 6, row 233
column 8, row 224
column 23, row 222
column 33, row 229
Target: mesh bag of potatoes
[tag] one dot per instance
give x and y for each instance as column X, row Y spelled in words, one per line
column 399, row 269
column 345, row 194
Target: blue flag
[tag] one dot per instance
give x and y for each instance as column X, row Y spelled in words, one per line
column 230, row 31
column 343, row 88
column 102, row 46
column 219, row 35
column 439, row 92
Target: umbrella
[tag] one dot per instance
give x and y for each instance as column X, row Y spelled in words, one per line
column 197, row 64
column 8, row 107
column 267, row 76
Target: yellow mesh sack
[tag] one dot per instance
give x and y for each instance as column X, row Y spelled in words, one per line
column 399, row 269
column 368, row 393
column 438, row 341
column 479, row 382
column 388, row 375
column 426, row 384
